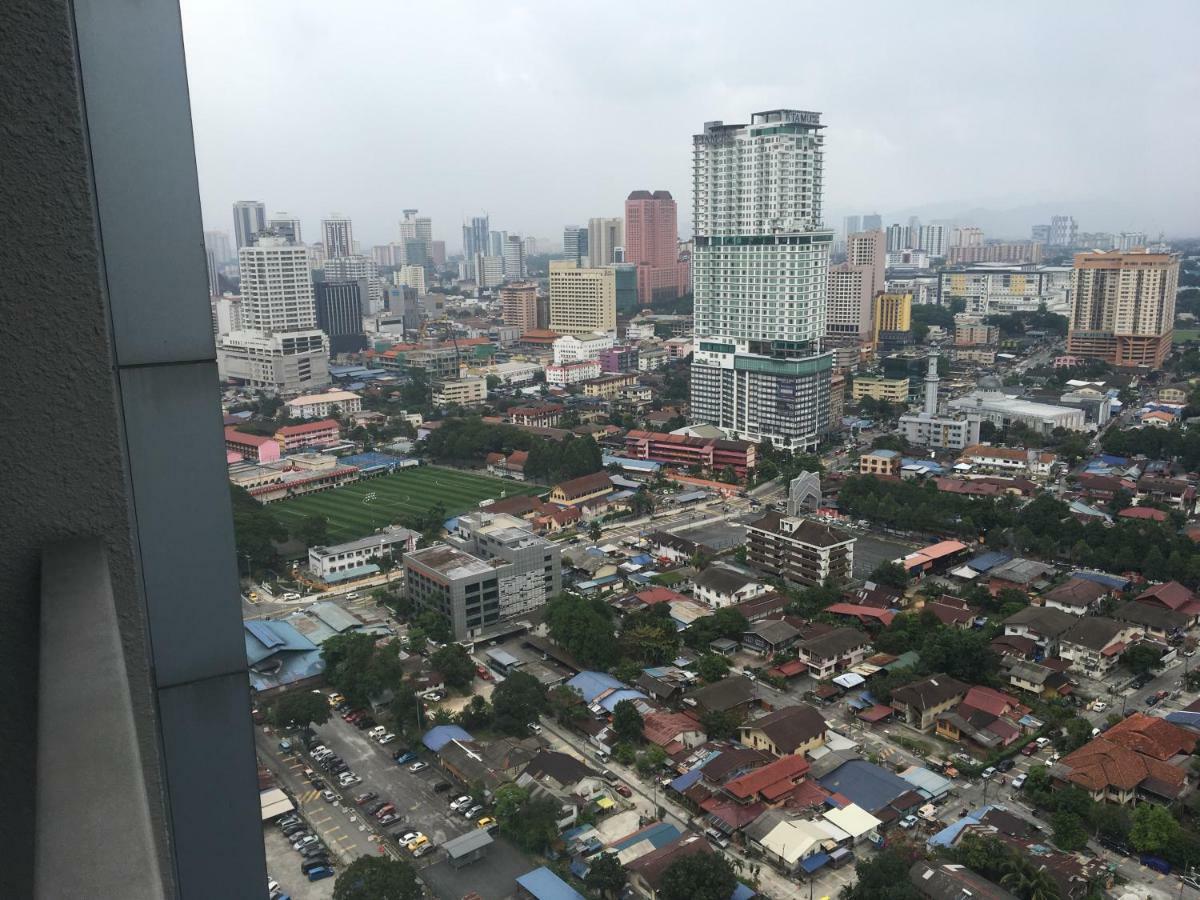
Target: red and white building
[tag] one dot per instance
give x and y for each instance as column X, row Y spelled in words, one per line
column 682, row 450
column 312, row 434
column 573, row 372
column 258, row 447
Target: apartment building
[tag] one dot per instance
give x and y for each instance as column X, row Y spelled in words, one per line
column 799, row 550
column 582, row 301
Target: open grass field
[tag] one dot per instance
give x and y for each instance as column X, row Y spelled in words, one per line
column 1183, row 335
column 406, row 491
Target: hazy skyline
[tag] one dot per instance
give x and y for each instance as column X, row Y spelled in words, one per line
column 544, row 115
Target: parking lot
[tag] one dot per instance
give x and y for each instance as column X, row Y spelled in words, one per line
column 283, row 865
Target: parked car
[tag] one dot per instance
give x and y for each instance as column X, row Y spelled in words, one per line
column 388, row 819
column 988, row 773
column 404, row 756
column 313, row 850
column 535, row 727
column 409, row 837
column 1018, row 782
column 328, row 795
column 441, row 786
column 386, row 738
column 1030, row 749
column 483, row 673
column 418, row 766
column 376, row 807
column 285, row 745
column 908, row 822
column 304, row 841
column 1099, row 706
column 316, row 862
column 623, row 790
column 1042, row 741
column 376, row 731
column 364, row 799
column 348, row 778
column 422, row 848
column 473, row 811
column 364, row 723
column 1005, row 765
column 320, row 872
column 458, row 802
column 487, row 822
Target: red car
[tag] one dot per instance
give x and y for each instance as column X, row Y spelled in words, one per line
column 483, row 673
column 623, row 790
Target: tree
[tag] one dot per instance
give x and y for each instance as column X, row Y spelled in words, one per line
column 455, row 666
column 712, row 666
column 883, row 876
column 627, row 722
column 531, row 822
column 1141, row 658
column 405, row 708
column 1077, row 732
column 595, row 532
column 377, row 878
column 517, row 701
column 606, row 876
column 255, row 531
column 418, row 640
column 475, row 715
column 313, row 531
column 720, row 724
column 436, row 626
column 701, row 876
column 1069, row 833
column 1153, row 828
column 1026, row 881
column 583, row 627
column 651, row 758
column 566, row 704
column 890, row 574
column 301, row 707
column 348, row 665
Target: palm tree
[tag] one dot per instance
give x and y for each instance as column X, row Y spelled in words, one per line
column 1027, row 882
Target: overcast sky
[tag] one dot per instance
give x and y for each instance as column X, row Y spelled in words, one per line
column 548, row 114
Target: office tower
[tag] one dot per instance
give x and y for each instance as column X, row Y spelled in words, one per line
column 873, row 222
column 415, row 228
column 416, row 252
column 625, row 277
column 277, row 288
column 892, row 321
column 582, row 300
column 286, row 226
column 652, row 245
column 518, row 305
column 352, row 268
column 496, row 240
column 1131, row 240
column 214, row 281
column 1040, row 233
column 1123, row 307
column 604, row 237
column 966, row 236
column 851, row 225
column 410, row 276
column 385, row 255
column 340, row 308
column 914, row 225
column 575, row 244
column 285, row 362
column 760, row 270
column 249, row 218
column 338, row 236
column 437, row 253
column 1063, row 231
column 227, row 314
column 853, row 285
column 476, row 238
column 514, row 258
column 897, row 237
column 489, row 270
column 218, row 243
column 932, row 239
column 530, row 247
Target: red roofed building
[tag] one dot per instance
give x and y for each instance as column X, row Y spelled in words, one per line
column 683, row 450
column 952, row 612
column 772, row 784
column 545, row 414
column 1172, row 595
column 673, row 731
column 646, row 872
column 1142, row 757
column 862, row 614
column 511, row 466
column 655, row 595
column 1146, row 513
column 311, row 434
column 258, row 447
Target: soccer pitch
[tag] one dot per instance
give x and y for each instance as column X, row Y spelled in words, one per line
column 411, row 490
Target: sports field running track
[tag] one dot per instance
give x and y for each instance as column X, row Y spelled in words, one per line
column 407, row 491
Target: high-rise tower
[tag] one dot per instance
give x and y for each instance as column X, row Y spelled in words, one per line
column 338, row 236
column 652, row 244
column 760, row 268
column 249, row 218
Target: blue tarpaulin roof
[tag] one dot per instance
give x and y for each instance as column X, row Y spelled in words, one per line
column 545, row 885
column 592, row 684
column 686, row 780
column 947, row 836
column 812, row 863
column 1113, row 581
column 440, row 735
column 659, row 835
column 986, row 561
column 610, row 702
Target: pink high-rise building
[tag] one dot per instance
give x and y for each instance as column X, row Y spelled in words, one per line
column 651, row 244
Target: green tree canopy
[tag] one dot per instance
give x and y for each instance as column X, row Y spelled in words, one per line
column 517, row 701
column 701, row 876
column 890, row 574
column 712, row 666
column 883, row 876
column 455, row 666
column 377, row 878
column 1141, row 658
column 627, row 722
column 606, row 876
column 313, row 531
column 302, row 707
column 1153, row 828
column 1069, row 833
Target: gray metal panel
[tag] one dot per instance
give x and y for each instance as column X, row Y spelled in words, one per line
column 181, row 500
column 144, row 166
column 209, row 745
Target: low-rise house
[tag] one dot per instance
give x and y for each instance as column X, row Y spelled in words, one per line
column 562, row 773
column 1139, row 758
column 834, row 651
column 676, row 549
column 1094, row 644
column 863, row 615
column 1035, row 678
column 952, row 612
column 921, row 702
column 1035, row 463
column 1171, row 492
column 949, row 881
column 581, row 490
column 769, row 637
column 673, row 731
column 311, row 434
column 787, row 840
column 1026, row 575
column 1171, row 595
column 720, row 586
column 771, row 784
column 1043, row 625
column 879, row 462
column 985, row 717
column 786, row 731
column 1154, row 621
column 511, row 466
column 733, row 694
column 1077, row 596
column 646, row 872
column 546, row 415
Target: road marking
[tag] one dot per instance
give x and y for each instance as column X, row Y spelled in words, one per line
column 309, row 796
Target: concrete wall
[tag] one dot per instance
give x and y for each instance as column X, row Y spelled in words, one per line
column 110, row 394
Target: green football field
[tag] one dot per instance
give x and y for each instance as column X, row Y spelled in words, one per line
column 413, row 490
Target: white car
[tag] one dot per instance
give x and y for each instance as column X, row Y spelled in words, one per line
column 908, row 822
column 1099, row 706
column 304, row 842
column 1018, row 782
column 291, row 595
column 535, row 727
column 376, row 731
column 418, row 766
column 461, row 801
column 348, row 778
column 1042, row 742
column 988, row 773
column 386, row 738
column 410, row 837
